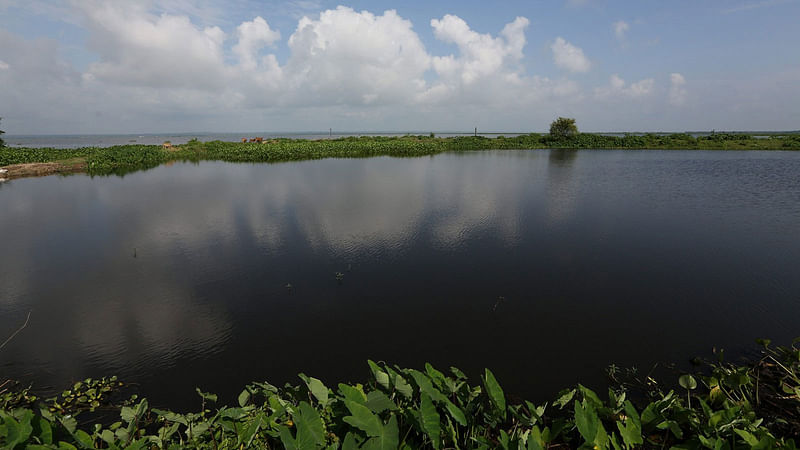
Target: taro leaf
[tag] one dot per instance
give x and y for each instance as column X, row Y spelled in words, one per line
column 649, row 415
column 66, row 446
column 287, row 440
column 535, row 441
column 456, row 413
column 381, row 377
column 430, row 420
column 350, row 442
column 459, row 374
column 748, row 437
column 378, row 402
column 16, row 433
column 352, row 394
column 631, row 433
column 687, row 382
column 586, row 420
column 310, row 431
column 564, row 399
column 43, row 430
column 504, row 439
column 389, row 438
column 436, row 376
column 244, row 397
column 69, row 423
column 630, row 410
column 400, row 384
column 108, row 437
column 495, row 392
column 591, row 396
column 83, row 438
column 363, row 419
column 249, row 433
column 426, row 386
column 319, row 390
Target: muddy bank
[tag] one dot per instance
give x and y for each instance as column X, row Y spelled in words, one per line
column 42, row 169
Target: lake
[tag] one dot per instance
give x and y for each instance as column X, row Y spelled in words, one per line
column 545, row 266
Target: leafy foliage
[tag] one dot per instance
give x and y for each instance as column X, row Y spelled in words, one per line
column 726, row 407
column 563, row 127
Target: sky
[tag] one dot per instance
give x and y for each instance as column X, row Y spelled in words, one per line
column 159, row 66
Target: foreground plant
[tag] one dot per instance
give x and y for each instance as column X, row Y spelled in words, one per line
column 724, row 407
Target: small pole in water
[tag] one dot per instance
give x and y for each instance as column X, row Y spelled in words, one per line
column 476, row 131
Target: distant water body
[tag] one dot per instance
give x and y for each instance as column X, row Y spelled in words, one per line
column 108, row 140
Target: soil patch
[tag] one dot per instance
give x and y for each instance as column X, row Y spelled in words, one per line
column 43, row 169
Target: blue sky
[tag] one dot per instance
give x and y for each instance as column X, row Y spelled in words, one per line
column 92, row 66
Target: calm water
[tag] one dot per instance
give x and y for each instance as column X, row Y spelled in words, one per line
column 175, row 277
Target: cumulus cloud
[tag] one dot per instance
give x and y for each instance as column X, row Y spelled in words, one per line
column 161, row 68
column 253, row 36
column 620, row 28
column 677, row 89
column 617, row 89
column 569, row 57
column 349, row 57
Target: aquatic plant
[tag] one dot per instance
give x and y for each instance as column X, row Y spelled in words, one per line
column 727, row 406
column 127, row 158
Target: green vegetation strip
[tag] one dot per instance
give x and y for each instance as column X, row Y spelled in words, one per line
column 722, row 406
column 127, row 158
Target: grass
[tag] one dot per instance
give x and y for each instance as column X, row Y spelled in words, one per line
column 126, row 158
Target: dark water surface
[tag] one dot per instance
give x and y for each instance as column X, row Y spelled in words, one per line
column 175, row 277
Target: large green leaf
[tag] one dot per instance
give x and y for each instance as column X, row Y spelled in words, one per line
column 352, row 394
column 378, row 402
column 349, row 442
column 535, row 441
column 317, row 389
column 586, row 420
column 287, row 439
column 400, row 384
column 430, row 420
column 363, row 419
column 456, row 413
column 630, row 432
column 495, row 392
column 389, row 438
column 381, row 377
column 310, row 430
column 591, row 396
column 426, row 386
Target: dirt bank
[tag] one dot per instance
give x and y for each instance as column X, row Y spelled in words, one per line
column 43, row 169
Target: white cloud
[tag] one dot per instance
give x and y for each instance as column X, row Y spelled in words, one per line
column 481, row 54
column 137, row 48
column 253, row 36
column 618, row 89
column 349, row 57
column 569, row 57
column 677, row 90
column 620, row 28
column 158, row 69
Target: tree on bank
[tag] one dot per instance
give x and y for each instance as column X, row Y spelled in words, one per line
column 563, row 127
column 2, row 144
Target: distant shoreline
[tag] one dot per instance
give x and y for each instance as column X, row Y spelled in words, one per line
column 22, row 162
